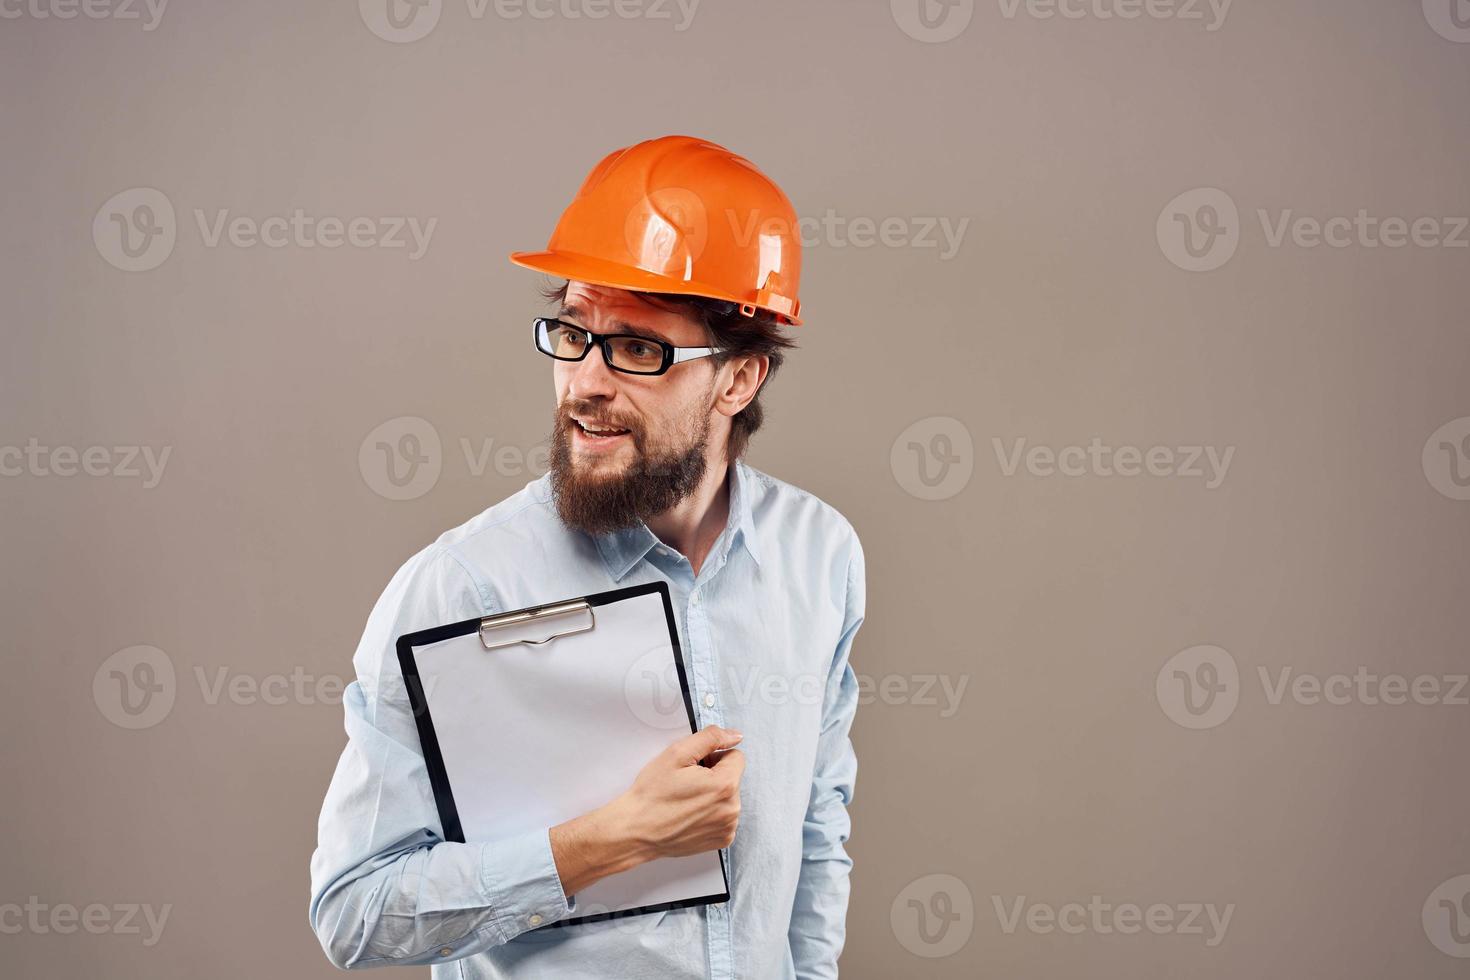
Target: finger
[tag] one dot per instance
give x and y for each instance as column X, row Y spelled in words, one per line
column 690, row 749
column 730, row 763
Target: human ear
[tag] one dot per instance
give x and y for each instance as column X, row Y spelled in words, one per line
column 738, row 381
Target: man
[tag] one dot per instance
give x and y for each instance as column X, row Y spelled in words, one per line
column 681, row 264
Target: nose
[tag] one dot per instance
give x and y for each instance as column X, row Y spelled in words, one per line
column 591, row 377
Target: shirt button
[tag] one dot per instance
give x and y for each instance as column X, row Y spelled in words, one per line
column 709, row 700
column 694, row 598
column 445, row 951
column 535, row 920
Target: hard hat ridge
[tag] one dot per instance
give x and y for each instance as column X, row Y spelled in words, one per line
column 680, row 215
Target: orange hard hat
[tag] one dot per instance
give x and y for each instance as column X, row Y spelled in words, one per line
column 680, row 215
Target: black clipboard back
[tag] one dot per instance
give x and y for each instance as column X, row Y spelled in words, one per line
column 553, row 616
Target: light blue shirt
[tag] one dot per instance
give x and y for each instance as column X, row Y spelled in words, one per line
column 766, row 630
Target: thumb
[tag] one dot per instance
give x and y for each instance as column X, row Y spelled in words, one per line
column 690, row 749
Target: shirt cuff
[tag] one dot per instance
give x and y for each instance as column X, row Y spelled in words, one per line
column 522, row 884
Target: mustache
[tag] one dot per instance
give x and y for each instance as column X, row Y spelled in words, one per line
column 589, row 411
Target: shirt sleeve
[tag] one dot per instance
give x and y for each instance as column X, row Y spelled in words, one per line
column 819, row 915
column 386, row 888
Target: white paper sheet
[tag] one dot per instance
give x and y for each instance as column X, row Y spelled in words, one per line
column 535, row 735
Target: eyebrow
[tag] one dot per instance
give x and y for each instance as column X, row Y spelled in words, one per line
column 619, row 326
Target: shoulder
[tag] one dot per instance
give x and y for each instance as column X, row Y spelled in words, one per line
column 806, row 531
column 456, row 558
column 528, row 507
column 449, row 580
column 785, row 504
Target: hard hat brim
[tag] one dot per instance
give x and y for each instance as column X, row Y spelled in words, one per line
column 600, row 272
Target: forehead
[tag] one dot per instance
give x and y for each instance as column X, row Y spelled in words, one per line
column 607, row 310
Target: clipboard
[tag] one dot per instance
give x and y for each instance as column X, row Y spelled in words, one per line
column 513, row 709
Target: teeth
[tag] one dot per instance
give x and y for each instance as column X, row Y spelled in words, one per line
column 600, row 432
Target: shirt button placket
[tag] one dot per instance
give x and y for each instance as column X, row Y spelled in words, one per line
column 721, row 958
column 706, row 690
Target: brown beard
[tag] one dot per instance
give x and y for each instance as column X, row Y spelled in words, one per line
column 658, row 478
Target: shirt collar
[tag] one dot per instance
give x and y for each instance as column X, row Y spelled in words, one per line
column 623, row 549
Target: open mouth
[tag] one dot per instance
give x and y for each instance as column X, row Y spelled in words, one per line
column 596, row 430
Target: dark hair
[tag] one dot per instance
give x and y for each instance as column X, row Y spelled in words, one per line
column 736, row 334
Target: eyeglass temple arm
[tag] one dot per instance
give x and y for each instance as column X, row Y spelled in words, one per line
column 690, row 353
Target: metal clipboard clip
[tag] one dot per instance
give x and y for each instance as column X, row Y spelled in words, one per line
column 535, row 615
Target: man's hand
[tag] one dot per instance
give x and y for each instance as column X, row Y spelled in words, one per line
column 678, row 807
column 675, row 807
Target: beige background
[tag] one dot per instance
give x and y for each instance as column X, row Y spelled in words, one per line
column 1058, row 600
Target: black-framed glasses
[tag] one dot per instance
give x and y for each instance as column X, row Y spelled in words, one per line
column 626, row 352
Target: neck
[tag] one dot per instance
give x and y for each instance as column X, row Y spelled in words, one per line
column 693, row 525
